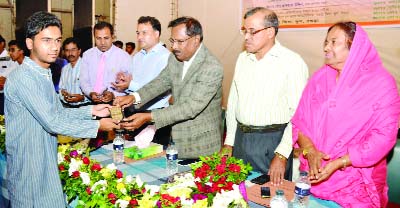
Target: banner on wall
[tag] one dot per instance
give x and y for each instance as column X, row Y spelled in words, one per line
column 322, row 13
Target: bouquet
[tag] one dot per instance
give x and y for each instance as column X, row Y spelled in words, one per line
column 94, row 185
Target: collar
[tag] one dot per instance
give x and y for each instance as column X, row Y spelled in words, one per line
column 274, row 52
column 4, row 53
column 193, row 57
column 156, row 48
column 107, row 53
column 36, row 68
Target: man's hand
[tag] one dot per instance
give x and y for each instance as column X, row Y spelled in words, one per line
column 64, row 92
column 101, row 110
column 74, row 98
column 107, row 97
column 122, row 81
column 226, row 150
column 108, row 124
column 314, row 158
column 277, row 170
column 124, row 101
column 95, row 97
column 135, row 121
column 2, row 82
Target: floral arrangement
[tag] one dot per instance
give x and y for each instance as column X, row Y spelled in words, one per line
column 214, row 182
column 2, row 135
column 94, row 185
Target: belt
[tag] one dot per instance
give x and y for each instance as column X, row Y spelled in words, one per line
column 261, row 129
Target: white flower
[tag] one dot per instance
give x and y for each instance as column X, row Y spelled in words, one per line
column 122, row 203
column 153, row 189
column 129, row 179
column 102, row 183
column 60, row 158
column 224, row 198
column 74, row 166
column 139, row 181
column 119, row 180
column 111, row 166
column 85, row 178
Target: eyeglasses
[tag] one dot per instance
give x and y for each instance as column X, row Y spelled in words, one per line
column 179, row 42
column 252, row 32
column 13, row 50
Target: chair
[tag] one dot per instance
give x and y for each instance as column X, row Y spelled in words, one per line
column 393, row 178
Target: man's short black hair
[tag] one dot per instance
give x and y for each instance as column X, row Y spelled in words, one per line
column 40, row 21
column 132, row 44
column 2, row 40
column 72, row 40
column 153, row 22
column 193, row 26
column 102, row 25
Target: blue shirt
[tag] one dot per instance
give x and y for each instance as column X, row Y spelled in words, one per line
column 146, row 67
column 69, row 81
column 34, row 116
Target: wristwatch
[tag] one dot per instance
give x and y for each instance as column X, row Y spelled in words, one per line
column 280, row 156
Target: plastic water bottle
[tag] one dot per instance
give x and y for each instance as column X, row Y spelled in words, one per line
column 279, row 200
column 302, row 191
column 118, row 146
column 172, row 159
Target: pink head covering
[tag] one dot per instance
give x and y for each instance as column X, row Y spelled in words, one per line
column 357, row 115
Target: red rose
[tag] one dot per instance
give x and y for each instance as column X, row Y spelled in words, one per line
column 61, row 167
column 111, row 196
column 113, row 201
column 221, row 168
column 234, row 168
column 223, row 160
column 88, row 190
column 86, row 161
column 119, row 174
column 133, row 202
column 75, row 174
column 66, row 158
column 96, row 167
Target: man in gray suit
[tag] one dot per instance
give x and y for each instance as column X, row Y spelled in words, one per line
column 194, row 76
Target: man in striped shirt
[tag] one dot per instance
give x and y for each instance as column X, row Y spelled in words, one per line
column 34, row 115
column 70, row 90
column 266, row 88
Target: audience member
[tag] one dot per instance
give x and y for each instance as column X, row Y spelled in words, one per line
column 346, row 122
column 130, row 48
column 17, row 50
column 6, row 66
column 119, row 44
column 70, row 91
column 100, row 65
column 194, row 76
column 34, row 115
column 267, row 85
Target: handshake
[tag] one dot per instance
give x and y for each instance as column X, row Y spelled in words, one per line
column 126, row 117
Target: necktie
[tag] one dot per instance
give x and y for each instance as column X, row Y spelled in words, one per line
column 98, row 87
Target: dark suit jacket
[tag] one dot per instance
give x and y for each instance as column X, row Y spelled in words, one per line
column 195, row 115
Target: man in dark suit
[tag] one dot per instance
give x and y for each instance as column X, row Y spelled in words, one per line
column 194, row 76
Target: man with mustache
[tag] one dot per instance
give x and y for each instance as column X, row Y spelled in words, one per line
column 194, row 77
column 70, row 91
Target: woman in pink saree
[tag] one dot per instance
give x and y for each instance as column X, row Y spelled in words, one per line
column 347, row 120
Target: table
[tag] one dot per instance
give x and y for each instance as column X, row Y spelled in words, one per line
column 152, row 171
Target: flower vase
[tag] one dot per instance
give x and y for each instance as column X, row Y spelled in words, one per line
column 242, row 189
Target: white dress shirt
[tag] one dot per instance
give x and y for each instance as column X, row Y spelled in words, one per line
column 266, row 91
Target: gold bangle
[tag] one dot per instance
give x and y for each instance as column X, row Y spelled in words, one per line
column 344, row 163
column 305, row 152
column 280, row 156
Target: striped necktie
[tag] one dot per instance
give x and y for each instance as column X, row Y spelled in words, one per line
column 98, row 87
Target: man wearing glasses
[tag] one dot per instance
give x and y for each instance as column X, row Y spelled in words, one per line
column 266, row 87
column 194, row 77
